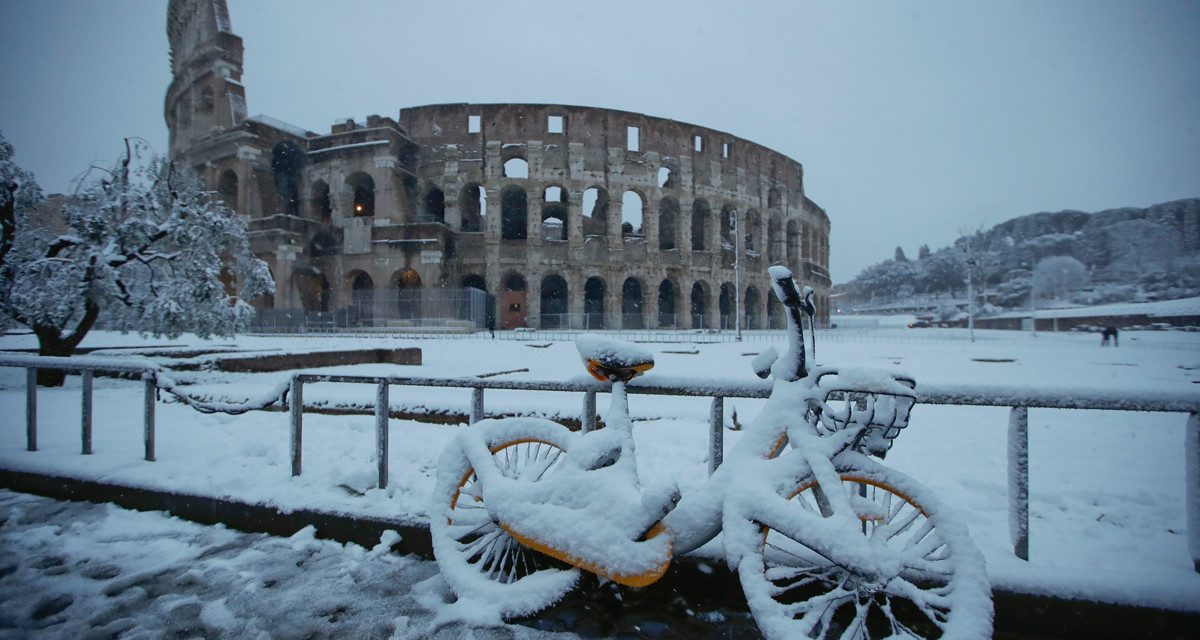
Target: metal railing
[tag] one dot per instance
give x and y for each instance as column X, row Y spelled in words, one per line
column 1018, row 399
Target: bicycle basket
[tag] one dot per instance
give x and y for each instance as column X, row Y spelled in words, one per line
column 879, row 401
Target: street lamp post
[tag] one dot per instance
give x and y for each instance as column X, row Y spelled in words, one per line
column 970, row 300
column 737, row 274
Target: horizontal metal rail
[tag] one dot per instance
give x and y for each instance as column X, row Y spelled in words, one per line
column 1018, row 399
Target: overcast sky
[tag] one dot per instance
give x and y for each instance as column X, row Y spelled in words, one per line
column 913, row 120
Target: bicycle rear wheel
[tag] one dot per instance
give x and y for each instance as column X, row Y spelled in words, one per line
column 477, row 558
column 940, row 589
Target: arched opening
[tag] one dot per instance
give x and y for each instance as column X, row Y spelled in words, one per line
column 516, row 168
column 362, row 300
column 774, row 199
column 554, row 303
column 699, row 306
column 512, row 302
column 666, row 304
column 362, row 194
column 593, row 303
column 632, row 213
column 751, row 308
column 631, row 304
column 207, row 101
column 323, row 244
column 775, row 319
column 664, row 178
column 435, row 205
column 752, row 230
column 227, row 187
column 287, row 167
column 668, row 224
column 728, row 226
column 554, row 214
column 474, row 281
column 472, row 204
column 314, row 291
column 727, row 306
column 793, row 245
column 409, row 296
column 775, row 239
column 514, row 213
column 595, row 212
column 320, row 204
column 700, row 214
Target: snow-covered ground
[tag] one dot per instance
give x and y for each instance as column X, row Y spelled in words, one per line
column 1107, row 493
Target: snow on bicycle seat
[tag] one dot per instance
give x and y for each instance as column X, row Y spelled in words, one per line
column 610, row 360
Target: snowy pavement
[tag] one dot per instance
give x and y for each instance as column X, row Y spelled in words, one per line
column 1107, row 494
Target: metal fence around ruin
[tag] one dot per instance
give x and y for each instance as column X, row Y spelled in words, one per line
column 1018, row 400
column 432, row 309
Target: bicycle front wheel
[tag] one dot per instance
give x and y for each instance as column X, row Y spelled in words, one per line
column 477, row 558
column 940, row 589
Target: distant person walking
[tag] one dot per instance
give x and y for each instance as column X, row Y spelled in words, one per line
column 1108, row 332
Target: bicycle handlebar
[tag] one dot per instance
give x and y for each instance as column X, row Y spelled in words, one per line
column 796, row 301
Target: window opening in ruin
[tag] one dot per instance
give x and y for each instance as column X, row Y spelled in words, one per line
column 362, row 301
column 514, row 214
column 474, row 124
column 554, row 303
column 725, row 306
column 728, row 225
column 554, row 124
column 668, row 221
column 664, row 178
column 227, row 186
column 793, row 244
column 472, row 205
column 633, row 138
column 698, row 143
column 593, row 303
column 514, row 282
column 474, row 281
column 774, row 198
column 516, row 168
column 666, row 304
column 409, row 279
column 595, row 212
column 750, row 242
column 724, row 149
column 554, row 214
column 362, row 189
column 287, row 167
column 632, row 208
column 700, row 212
column 631, row 304
column 699, row 306
column 409, row 301
column 435, row 205
column 751, row 307
column 321, row 205
column 775, row 239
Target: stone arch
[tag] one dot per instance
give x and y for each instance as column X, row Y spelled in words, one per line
column 632, row 303
column 667, row 295
column 593, row 303
column 514, row 213
column 362, row 298
column 727, row 305
column 701, row 213
column 793, row 244
column 516, row 167
column 287, row 168
column 322, row 244
column 555, row 204
column 319, row 203
column 513, row 297
column 407, row 284
column 633, row 213
column 728, row 225
column 750, row 307
column 750, row 237
column 774, row 198
column 554, row 303
column 474, row 281
column 362, row 194
column 595, row 211
column 313, row 289
column 668, row 224
column 227, row 187
column 775, row 238
column 472, row 205
column 699, row 304
column 434, row 205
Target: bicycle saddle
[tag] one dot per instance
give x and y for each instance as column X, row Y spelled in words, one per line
column 610, row 360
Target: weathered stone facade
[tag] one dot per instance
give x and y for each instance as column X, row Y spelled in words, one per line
column 568, row 215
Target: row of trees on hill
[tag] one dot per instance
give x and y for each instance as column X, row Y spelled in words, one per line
column 1110, row 256
column 141, row 244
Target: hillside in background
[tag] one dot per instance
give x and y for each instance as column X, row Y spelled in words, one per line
column 1126, row 254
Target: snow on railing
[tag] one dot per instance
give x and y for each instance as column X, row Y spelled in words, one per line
column 1018, row 399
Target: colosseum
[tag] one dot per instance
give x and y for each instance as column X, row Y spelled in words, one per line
column 563, row 216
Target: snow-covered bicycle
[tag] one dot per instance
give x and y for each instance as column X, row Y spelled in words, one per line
column 827, row 542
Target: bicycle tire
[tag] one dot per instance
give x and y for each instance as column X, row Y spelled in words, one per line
column 942, row 592
column 478, row 559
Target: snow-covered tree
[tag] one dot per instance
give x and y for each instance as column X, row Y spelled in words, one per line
column 145, row 245
column 1057, row 275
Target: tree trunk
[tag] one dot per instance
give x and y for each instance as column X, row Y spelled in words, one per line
column 51, row 343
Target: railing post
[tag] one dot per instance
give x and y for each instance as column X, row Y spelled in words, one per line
column 1018, row 480
column 85, row 409
column 148, row 413
column 31, row 409
column 1191, row 452
column 476, row 404
column 296, row 412
column 381, row 432
column 588, row 422
column 716, row 434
